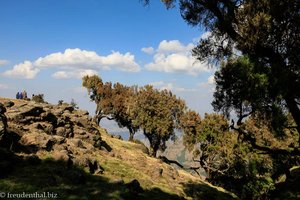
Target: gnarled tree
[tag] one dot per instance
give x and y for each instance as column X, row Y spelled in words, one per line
column 110, row 101
column 267, row 32
column 120, row 97
column 157, row 113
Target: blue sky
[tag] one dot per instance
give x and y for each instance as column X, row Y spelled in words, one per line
column 46, row 46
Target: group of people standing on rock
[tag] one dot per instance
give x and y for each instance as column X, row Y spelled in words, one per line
column 21, row 95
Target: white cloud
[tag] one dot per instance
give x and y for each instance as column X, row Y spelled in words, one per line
column 209, row 83
column 177, row 63
column 163, row 85
column 167, row 86
column 4, row 62
column 73, row 74
column 205, row 35
column 174, row 46
column 123, row 62
column 24, row 70
column 61, row 75
column 74, row 63
column 211, row 80
column 173, row 56
column 148, row 50
column 171, row 86
column 157, row 84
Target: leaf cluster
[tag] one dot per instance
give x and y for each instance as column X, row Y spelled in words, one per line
column 156, row 112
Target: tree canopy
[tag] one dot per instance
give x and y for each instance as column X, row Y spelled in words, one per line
column 110, row 100
column 233, row 164
column 158, row 113
column 256, row 46
column 266, row 32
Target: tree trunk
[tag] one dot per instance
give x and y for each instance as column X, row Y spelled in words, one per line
column 131, row 134
column 295, row 111
column 154, row 144
column 153, row 151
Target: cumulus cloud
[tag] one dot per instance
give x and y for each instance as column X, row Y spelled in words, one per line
column 23, row 70
column 163, row 85
column 4, row 62
column 210, row 82
column 173, row 56
column 174, row 46
column 74, row 74
column 74, row 63
column 148, row 50
column 171, row 86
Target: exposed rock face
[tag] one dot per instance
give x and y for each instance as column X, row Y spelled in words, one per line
column 3, row 121
column 65, row 133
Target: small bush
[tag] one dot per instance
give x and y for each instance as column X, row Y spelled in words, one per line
column 74, row 104
column 39, row 98
column 60, row 102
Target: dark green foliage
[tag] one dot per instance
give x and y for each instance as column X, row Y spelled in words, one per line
column 230, row 161
column 74, row 104
column 111, row 101
column 267, row 32
column 157, row 113
column 60, row 102
column 120, row 97
column 39, row 98
column 258, row 44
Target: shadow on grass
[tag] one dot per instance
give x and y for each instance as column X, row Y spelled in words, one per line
column 200, row 191
column 30, row 175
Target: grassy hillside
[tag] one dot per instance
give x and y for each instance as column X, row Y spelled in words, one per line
column 123, row 169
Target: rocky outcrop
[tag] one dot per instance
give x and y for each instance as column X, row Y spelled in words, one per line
column 60, row 131
column 3, row 122
column 60, row 144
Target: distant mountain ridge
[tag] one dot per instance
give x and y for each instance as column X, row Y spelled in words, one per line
column 177, row 151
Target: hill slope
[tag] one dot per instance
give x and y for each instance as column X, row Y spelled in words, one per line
column 57, row 149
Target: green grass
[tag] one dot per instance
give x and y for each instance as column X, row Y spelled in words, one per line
column 70, row 183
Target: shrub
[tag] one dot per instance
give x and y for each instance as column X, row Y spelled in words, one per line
column 39, row 98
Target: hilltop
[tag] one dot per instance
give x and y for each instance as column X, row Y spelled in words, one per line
column 59, row 149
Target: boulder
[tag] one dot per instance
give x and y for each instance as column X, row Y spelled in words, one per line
column 3, row 121
column 49, row 117
column 78, row 131
column 8, row 104
column 35, row 141
column 76, row 142
column 61, row 131
column 94, row 167
column 34, row 111
column 61, row 155
column 157, row 172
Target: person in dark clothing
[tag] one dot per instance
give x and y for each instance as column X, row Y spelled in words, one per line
column 24, row 94
column 20, row 95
